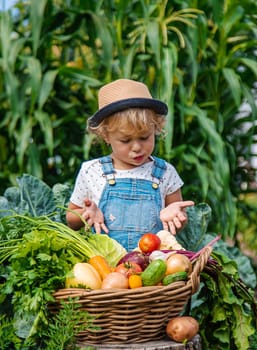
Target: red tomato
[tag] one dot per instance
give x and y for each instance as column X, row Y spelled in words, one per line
column 128, row 268
column 149, row 242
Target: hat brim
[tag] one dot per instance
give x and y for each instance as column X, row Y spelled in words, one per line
column 157, row 106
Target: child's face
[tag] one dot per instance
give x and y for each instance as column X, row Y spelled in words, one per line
column 129, row 151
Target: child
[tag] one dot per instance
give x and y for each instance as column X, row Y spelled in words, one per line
column 130, row 192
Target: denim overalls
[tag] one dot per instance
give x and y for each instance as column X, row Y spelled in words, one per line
column 131, row 207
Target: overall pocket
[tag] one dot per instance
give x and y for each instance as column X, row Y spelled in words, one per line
column 130, row 212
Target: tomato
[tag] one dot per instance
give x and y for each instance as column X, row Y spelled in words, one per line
column 149, row 242
column 128, row 268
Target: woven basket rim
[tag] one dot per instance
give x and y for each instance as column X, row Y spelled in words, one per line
column 143, row 291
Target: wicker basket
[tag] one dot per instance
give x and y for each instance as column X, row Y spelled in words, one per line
column 133, row 315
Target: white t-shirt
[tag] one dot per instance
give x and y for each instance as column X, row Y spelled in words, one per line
column 91, row 181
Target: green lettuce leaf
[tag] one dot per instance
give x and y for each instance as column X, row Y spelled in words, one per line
column 107, row 247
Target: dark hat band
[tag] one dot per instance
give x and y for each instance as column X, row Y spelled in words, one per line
column 157, row 106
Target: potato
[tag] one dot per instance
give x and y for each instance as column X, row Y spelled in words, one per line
column 182, row 328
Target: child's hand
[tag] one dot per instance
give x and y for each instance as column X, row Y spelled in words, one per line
column 94, row 216
column 174, row 216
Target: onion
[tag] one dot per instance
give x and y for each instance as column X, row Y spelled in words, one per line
column 159, row 254
column 178, row 263
column 139, row 258
column 115, row 280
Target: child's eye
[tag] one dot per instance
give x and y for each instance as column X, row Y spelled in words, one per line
column 125, row 141
column 143, row 138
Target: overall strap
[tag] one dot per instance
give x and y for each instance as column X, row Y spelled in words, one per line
column 158, row 170
column 108, row 169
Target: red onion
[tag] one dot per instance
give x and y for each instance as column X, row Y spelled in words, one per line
column 140, row 258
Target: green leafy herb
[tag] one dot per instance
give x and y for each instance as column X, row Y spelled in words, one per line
column 84, row 245
column 226, row 305
column 8, row 338
column 62, row 329
column 38, row 261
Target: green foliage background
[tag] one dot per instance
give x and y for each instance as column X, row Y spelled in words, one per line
column 198, row 56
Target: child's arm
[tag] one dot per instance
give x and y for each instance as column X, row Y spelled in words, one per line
column 173, row 216
column 90, row 212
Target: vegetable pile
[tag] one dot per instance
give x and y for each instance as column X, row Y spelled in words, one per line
column 157, row 272
column 39, row 254
column 146, row 268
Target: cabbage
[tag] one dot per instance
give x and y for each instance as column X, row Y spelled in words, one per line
column 112, row 250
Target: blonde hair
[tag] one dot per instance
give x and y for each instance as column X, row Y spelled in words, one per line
column 132, row 121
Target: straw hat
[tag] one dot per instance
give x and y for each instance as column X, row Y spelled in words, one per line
column 123, row 94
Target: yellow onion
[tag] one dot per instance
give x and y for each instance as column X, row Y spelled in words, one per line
column 178, row 263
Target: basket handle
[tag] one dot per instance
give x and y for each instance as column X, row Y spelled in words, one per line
column 198, row 267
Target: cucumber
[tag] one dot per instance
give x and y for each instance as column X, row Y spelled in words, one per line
column 174, row 277
column 154, row 273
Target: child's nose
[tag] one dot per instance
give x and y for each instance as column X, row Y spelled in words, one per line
column 136, row 146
